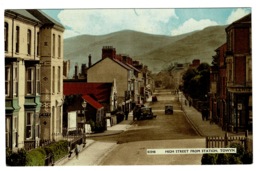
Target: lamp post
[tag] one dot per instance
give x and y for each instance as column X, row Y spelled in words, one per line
column 84, row 105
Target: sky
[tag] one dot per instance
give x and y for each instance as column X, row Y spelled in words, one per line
column 162, row 21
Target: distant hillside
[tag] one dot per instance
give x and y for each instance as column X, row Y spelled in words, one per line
column 156, row 51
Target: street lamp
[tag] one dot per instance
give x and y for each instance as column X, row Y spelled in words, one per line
column 84, row 105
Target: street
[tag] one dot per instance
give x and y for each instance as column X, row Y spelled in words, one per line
column 164, row 131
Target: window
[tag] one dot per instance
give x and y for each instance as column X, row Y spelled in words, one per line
column 53, row 47
column 6, row 36
column 59, row 79
column 37, row 126
column 58, row 119
column 53, row 79
column 15, row 132
column 17, row 39
column 29, row 124
column 249, row 76
column 7, row 81
column 15, row 81
column 30, row 79
column 38, row 44
column 38, row 85
column 8, row 131
column 29, row 37
column 59, row 46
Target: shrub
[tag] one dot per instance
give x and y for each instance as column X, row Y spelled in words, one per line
column 209, row 159
column 16, row 158
column 58, row 149
column 247, row 158
column 36, row 157
column 222, row 158
column 241, row 157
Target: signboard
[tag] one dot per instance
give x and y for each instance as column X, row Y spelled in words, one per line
column 72, row 121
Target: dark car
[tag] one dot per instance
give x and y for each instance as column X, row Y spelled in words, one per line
column 143, row 112
column 168, row 109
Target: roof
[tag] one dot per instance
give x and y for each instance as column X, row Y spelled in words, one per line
column 92, row 102
column 114, row 60
column 24, row 13
column 44, row 18
column 101, row 91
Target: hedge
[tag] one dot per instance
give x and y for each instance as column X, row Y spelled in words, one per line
column 241, row 157
column 58, row 149
column 36, row 157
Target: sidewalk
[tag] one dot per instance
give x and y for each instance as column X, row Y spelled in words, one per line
column 202, row 127
column 100, row 149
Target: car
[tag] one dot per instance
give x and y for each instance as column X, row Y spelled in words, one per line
column 154, row 99
column 168, row 109
column 143, row 112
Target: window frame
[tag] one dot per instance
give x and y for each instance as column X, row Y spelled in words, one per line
column 29, row 135
column 31, row 81
column 7, row 81
column 29, row 41
column 6, row 36
column 17, row 39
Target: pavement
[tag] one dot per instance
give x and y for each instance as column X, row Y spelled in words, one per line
column 102, row 149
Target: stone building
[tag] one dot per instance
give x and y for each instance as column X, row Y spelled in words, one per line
column 33, row 77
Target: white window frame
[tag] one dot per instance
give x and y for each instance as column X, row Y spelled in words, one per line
column 31, row 81
column 38, row 84
column 15, row 80
column 15, row 131
column 29, row 124
column 7, row 81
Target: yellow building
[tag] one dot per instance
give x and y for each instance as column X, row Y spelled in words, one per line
column 33, row 78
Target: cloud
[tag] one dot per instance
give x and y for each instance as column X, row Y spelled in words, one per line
column 237, row 14
column 193, row 25
column 104, row 21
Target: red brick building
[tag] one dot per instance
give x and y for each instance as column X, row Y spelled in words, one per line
column 239, row 75
column 218, row 86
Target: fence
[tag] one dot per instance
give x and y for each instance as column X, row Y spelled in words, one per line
column 222, row 142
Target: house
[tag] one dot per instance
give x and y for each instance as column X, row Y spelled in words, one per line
column 100, row 98
column 109, row 68
column 218, row 86
column 33, row 83
column 239, row 75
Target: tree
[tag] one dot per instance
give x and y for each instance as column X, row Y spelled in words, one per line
column 197, row 81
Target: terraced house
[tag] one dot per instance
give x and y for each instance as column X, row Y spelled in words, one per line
column 33, row 78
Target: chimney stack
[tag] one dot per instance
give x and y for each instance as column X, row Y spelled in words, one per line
column 89, row 61
column 76, row 71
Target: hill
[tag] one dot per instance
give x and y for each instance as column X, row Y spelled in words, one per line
column 155, row 51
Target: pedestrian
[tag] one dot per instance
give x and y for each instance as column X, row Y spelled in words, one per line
column 77, row 151
column 69, row 151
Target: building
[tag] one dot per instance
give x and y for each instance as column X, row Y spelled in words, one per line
column 109, row 68
column 100, row 100
column 239, row 74
column 33, row 77
column 218, row 86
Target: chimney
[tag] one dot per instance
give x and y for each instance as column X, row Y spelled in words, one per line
column 76, row 71
column 108, row 51
column 89, row 61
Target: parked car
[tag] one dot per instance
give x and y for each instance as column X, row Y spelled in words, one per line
column 168, row 109
column 154, row 99
column 143, row 112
